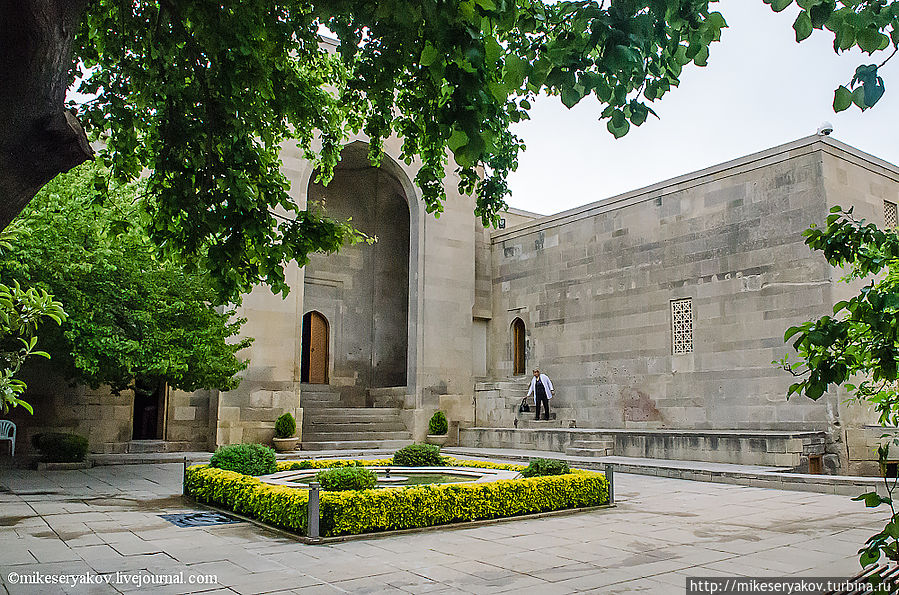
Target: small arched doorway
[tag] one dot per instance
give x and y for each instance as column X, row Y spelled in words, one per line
column 314, row 358
column 518, row 347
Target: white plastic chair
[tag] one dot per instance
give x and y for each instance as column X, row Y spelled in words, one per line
column 8, row 432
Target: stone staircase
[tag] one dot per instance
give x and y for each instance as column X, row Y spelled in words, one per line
column 591, row 448
column 329, row 426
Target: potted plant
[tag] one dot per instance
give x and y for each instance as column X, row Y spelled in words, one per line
column 437, row 429
column 285, row 428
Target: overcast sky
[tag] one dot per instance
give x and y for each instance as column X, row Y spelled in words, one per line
column 759, row 90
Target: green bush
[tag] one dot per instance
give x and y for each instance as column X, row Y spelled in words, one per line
column 285, row 426
column 249, row 459
column 354, row 512
column 418, row 455
column 346, row 478
column 437, row 426
column 56, row 447
column 543, row 467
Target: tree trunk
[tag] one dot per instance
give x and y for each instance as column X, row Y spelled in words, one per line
column 39, row 138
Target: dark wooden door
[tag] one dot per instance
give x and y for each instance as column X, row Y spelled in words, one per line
column 314, row 365
column 518, row 350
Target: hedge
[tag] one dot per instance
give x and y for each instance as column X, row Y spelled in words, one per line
column 387, row 509
column 252, row 459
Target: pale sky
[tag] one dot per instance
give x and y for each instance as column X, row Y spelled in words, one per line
column 760, row 89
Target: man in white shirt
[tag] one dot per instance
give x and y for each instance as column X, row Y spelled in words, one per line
column 542, row 389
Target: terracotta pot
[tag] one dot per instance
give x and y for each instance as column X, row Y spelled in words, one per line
column 285, row 444
column 438, row 439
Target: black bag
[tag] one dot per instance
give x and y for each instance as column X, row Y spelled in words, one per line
column 524, row 407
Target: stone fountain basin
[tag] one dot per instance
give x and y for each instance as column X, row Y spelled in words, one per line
column 397, row 474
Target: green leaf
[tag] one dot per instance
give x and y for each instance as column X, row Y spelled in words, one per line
column 457, row 140
column 572, row 95
column 802, row 26
column 428, row 54
column 702, row 56
column 515, row 71
column 492, row 50
column 820, row 13
column 778, row 5
column 842, row 99
column 872, row 500
column 618, row 124
column 858, row 98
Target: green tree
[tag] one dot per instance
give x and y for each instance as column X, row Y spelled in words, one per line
column 21, row 312
column 132, row 316
column 858, row 347
column 203, row 95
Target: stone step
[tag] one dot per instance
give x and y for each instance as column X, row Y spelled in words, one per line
column 359, row 411
column 598, row 444
column 356, row 444
column 342, row 436
column 351, row 419
column 526, row 421
column 589, row 452
column 150, row 446
column 307, row 398
column 591, row 448
column 338, row 425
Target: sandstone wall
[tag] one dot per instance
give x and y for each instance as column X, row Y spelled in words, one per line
column 594, row 287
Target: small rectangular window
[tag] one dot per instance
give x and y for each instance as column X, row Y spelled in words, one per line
column 816, row 464
column 890, row 215
column 682, row 326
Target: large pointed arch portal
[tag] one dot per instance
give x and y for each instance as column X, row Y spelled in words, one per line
column 363, row 289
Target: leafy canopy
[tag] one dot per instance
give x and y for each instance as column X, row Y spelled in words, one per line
column 130, row 313
column 862, row 337
column 203, row 96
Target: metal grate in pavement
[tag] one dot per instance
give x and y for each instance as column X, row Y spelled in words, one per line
column 200, row 519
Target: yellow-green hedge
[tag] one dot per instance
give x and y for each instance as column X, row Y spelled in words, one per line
column 366, row 511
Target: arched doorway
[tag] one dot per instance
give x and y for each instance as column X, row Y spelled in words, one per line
column 314, row 360
column 364, row 288
column 518, row 347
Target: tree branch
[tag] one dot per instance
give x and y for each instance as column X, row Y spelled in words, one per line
column 39, row 138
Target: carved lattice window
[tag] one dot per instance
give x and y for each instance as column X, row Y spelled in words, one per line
column 890, row 216
column 682, row 325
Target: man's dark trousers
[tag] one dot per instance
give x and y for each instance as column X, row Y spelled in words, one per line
column 540, row 395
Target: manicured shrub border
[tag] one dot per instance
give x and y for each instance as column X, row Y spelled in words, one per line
column 366, row 511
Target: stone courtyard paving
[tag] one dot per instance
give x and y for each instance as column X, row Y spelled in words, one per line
column 106, row 520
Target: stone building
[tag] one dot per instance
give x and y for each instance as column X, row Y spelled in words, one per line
column 657, row 313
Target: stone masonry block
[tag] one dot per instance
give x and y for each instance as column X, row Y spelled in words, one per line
column 261, row 398
column 787, row 460
column 794, row 445
column 285, row 399
column 229, row 414
column 185, row 413
column 776, row 446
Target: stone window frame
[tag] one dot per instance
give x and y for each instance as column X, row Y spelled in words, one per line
column 682, row 326
column 890, row 215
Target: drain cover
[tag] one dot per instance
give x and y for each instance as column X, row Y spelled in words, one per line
column 200, row 519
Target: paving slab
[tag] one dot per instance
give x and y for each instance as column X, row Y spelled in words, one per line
column 105, row 519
